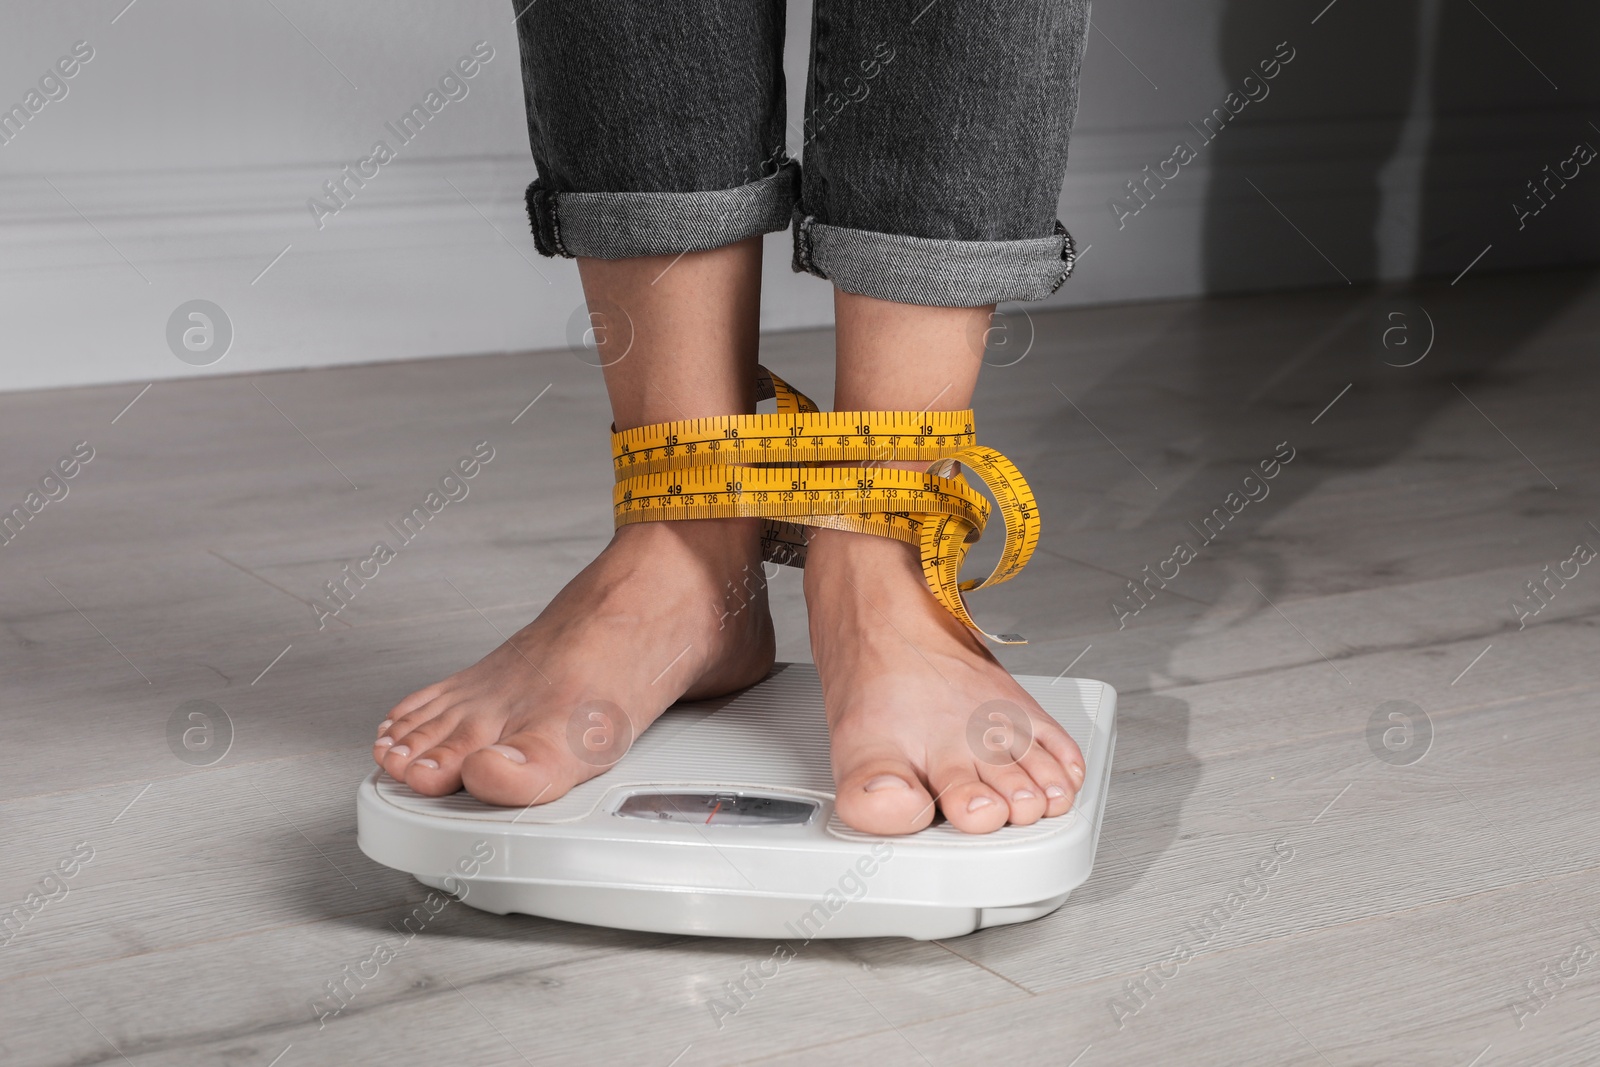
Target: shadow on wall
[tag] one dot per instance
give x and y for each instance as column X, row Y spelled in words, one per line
column 1428, row 125
column 1432, row 126
column 1454, row 125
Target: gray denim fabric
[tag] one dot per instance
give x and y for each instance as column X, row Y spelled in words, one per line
column 934, row 141
column 920, row 270
column 615, row 225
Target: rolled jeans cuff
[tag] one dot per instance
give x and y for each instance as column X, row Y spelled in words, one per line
column 933, row 272
column 620, row 225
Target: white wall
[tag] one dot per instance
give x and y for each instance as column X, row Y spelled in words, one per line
column 180, row 161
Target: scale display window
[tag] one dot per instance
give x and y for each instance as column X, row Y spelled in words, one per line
column 719, row 808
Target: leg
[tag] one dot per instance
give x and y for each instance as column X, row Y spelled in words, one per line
column 645, row 623
column 902, row 678
column 924, row 223
column 684, row 330
column 668, row 246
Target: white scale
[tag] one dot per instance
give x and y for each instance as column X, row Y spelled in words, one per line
column 719, row 821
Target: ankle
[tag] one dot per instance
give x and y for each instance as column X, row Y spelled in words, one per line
column 719, row 544
column 697, row 531
column 834, row 557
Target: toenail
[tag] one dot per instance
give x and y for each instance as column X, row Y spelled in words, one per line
column 509, row 753
column 1022, row 794
column 885, row 781
column 978, row 802
column 383, row 742
column 1055, row 792
column 400, row 750
column 432, row 765
column 1075, row 772
column 385, row 724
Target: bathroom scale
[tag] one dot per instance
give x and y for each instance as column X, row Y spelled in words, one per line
column 719, row 821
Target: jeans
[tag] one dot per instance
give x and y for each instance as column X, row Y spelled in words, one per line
column 933, row 144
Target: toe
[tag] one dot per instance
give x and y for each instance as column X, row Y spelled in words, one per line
column 385, row 741
column 409, row 740
column 436, row 770
column 1055, row 785
column 415, row 701
column 396, row 732
column 394, row 759
column 1024, row 797
column 883, row 794
column 399, row 728
column 411, row 745
column 1055, row 762
column 522, row 769
column 968, row 803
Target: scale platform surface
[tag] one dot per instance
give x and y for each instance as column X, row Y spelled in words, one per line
column 719, row 821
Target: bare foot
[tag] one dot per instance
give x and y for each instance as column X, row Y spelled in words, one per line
column 915, row 702
column 650, row 621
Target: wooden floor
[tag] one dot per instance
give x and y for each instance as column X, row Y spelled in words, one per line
column 1442, row 910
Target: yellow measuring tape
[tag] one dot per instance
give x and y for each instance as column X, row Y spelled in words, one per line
column 779, row 467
